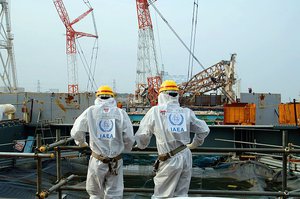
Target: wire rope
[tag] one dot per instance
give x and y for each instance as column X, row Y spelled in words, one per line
column 190, row 51
column 193, row 39
column 159, row 47
column 175, row 33
column 94, row 58
column 87, row 3
column 86, row 66
column 90, row 67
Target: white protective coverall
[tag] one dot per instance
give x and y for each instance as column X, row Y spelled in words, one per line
column 111, row 133
column 171, row 125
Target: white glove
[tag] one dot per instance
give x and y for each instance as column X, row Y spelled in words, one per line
column 191, row 146
column 84, row 144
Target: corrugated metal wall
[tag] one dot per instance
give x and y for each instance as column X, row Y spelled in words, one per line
column 59, row 107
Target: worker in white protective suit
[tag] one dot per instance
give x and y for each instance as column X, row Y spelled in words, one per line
column 171, row 125
column 110, row 134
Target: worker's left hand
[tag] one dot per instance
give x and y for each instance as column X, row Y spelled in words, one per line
column 84, row 144
column 191, row 146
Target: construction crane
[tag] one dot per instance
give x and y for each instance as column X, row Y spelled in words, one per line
column 9, row 72
column 219, row 76
column 71, row 36
column 148, row 77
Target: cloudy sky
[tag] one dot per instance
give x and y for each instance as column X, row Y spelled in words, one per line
column 263, row 33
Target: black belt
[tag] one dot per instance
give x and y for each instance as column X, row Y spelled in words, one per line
column 166, row 156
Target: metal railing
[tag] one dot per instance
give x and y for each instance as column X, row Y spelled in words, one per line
column 62, row 183
column 36, row 155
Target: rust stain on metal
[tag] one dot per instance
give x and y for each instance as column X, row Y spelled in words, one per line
column 60, row 105
column 69, row 99
column 262, row 97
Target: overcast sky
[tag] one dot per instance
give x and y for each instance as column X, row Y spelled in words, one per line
column 265, row 35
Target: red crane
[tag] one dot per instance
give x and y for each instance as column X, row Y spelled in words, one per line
column 148, row 77
column 71, row 36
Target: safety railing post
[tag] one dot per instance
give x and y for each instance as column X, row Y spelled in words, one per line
column 284, row 161
column 58, row 163
column 38, row 165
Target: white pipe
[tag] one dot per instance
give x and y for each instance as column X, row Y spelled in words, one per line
column 7, row 109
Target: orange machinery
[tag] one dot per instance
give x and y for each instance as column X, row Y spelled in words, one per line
column 239, row 114
column 289, row 113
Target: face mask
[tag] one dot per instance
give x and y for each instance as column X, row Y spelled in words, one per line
column 105, row 96
column 171, row 93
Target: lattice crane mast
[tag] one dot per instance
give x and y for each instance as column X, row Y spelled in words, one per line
column 148, row 77
column 71, row 36
column 9, row 72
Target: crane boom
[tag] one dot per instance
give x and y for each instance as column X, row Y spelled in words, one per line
column 81, row 16
column 71, row 36
column 62, row 12
column 218, row 76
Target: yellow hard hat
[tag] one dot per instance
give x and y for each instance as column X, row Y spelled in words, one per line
column 168, row 85
column 104, row 90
